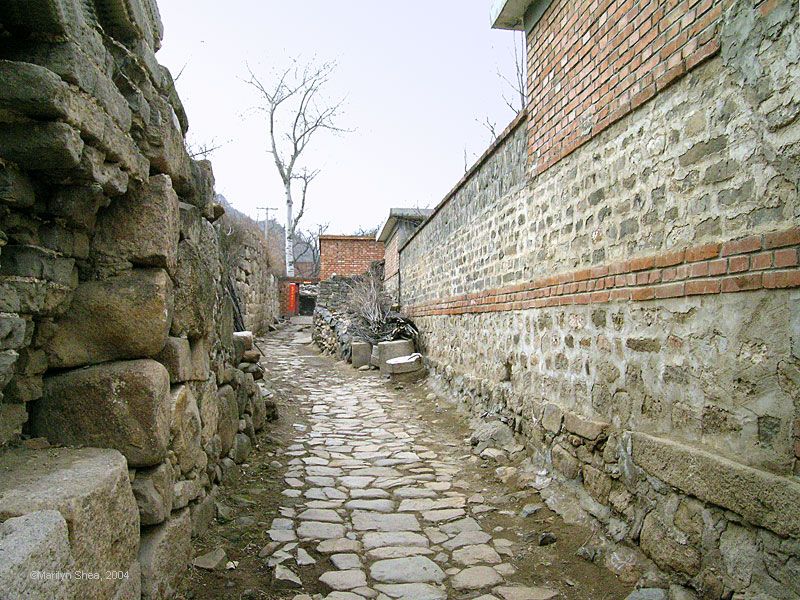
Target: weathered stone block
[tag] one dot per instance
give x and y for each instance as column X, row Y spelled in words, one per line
column 185, row 491
column 564, row 462
column 176, row 358
column 200, row 362
column 164, row 556
column 142, row 227
column 152, row 489
column 203, row 181
column 552, row 418
column 127, row 316
column 585, row 428
column 15, row 187
column 360, row 353
column 387, row 350
column 167, row 152
column 191, row 222
column 241, row 448
column 203, row 513
column 760, row 497
column 242, row 342
column 665, row 549
column 91, row 489
column 123, row 405
column 41, row 146
column 185, row 429
column 195, row 294
column 32, row 297
column 78, row 205
column 36, row 542
column 39, row 263
column 12, row 418
column 228, row 424
column 12, row 331
column 597, row 483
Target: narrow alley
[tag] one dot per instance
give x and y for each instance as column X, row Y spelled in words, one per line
column 381, row 498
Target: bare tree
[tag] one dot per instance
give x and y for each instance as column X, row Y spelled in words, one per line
column 295, row 111
column 307, row 246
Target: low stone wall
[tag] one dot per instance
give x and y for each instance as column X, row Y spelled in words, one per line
column 330, row 320
column 126, row 399
column 633, row 310
column 247, row 259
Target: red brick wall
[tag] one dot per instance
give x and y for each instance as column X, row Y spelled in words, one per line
column 347, row 255
column 591, row 62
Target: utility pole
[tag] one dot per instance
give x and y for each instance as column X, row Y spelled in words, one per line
column 266, row 210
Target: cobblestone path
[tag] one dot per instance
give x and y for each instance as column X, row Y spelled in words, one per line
column 374, row 504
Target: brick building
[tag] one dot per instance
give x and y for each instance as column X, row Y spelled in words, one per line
column 347, row 255
column 402, row 222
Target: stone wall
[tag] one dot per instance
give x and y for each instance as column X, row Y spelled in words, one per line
column 633, row 309
column 248, row 259
column 331, row 331
column 126, row 396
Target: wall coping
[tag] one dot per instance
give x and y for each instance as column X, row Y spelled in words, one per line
column 355, row 238
column 487, row 154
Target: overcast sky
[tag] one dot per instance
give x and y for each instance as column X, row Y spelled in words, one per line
column 417, row 75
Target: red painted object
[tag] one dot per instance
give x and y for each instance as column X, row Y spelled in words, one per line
column 294, row 298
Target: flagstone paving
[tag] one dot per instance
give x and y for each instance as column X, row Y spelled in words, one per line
column 376, row 502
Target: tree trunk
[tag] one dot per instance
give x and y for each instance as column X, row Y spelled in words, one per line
column 289, row 234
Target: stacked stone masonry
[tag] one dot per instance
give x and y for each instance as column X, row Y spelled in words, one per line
column 632, row 305
column 254, row 267
column 125, row 396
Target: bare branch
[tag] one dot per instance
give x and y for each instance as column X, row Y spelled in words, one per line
column 519, row 82
column 490, row 126
column 306, row 177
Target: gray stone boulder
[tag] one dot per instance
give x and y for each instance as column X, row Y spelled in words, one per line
column 141, row 227
column 164, row 556
column 152, row 489
column 393, row 349
column 91, row 489
column 492, row 434
column 205, row 393
column 36, row 542
column 127, row 316
column 228, row 417
column 123, row 405
column 241, row 448
column 195, row 293
column 360, row 353
column 185, row 429
column 203, row 512
column 176, row 357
